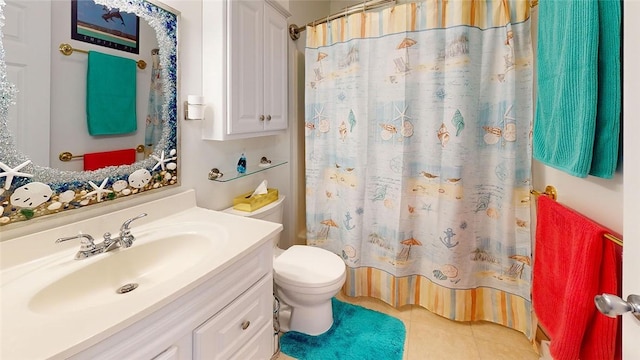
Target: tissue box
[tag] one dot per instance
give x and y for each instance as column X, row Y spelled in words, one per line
column 255, row 202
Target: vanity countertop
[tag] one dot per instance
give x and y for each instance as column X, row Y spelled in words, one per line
column 32, row 331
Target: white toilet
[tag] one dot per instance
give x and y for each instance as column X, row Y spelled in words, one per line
column 305, row 278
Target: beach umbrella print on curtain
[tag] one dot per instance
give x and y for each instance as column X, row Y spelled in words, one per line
column 321, row 55
column 405, row 44
column 329, row 223
column 409, row 242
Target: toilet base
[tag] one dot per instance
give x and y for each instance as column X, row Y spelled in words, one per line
column 311, row 320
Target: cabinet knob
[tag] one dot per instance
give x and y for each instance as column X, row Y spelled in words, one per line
column 268, row 117
column 245, row 324
column 261, row 117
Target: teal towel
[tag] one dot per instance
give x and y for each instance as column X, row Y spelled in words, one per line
column 578, row 106
column 111, row 94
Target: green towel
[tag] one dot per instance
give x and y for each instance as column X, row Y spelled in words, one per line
column 111, row 94
column 578, row 106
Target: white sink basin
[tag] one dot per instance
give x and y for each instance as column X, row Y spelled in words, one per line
column 64, row 306
column 165, row 255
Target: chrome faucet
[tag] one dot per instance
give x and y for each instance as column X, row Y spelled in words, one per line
column 125, row 239
column 88, row 247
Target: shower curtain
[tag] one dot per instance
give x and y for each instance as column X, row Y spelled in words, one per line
column 153, row 130
column 418, row 154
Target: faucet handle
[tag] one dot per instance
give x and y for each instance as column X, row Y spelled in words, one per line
column 86, row 241
column 125, row 225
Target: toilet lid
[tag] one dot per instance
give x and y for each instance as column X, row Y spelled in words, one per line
column 308, row 266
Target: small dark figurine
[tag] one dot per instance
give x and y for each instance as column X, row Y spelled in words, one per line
column 215, row 174
column 264, row 161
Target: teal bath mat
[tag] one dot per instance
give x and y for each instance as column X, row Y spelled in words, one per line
column 357, row 334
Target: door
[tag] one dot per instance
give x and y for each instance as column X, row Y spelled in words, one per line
column 631, row 112
column 28, row 68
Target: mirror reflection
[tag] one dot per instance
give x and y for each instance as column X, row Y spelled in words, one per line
column 52, row 88
column 94, row 122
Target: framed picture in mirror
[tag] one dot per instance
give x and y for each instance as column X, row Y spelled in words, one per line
column 100, row 25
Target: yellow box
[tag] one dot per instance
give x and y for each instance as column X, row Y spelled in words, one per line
column 253, row 203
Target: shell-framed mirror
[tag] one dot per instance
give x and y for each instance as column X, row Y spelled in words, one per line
column 30, row 189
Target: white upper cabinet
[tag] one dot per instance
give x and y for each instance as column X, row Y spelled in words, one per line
column 244, row 68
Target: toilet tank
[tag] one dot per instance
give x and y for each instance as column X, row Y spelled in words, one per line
column 272, row 212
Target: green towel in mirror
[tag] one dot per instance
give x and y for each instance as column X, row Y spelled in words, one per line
column 111, row 94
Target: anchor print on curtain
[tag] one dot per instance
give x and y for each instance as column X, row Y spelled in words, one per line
column 418, row 149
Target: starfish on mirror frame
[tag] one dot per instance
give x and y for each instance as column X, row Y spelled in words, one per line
column 161, row 160
column 98, row 190
column 9, row 173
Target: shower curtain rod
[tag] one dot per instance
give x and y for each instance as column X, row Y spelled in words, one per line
column 294, row 30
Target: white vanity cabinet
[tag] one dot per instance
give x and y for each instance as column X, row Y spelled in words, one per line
column 244, row 68
column 229, row 316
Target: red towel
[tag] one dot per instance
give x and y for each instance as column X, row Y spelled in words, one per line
column 94, row 161
column 573, row 262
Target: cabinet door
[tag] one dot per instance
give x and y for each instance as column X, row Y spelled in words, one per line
column 169, row 354
column 245, row 83
column 275, row 70
column 240, row 323
column 260, row 347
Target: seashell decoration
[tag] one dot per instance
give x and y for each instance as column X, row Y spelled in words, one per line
column 139, row 178
column 449, row 270
column 509, row 132
column 407, row 129
column 67, row 196
column 120, row 185
column 352, row 120
column 493, row 130
column 342, row 129
column 390, row 128
column 443, row 135
column 54, row 206
column 323, row 126
column 493, row 213
column 458, row 122
column 492, row 135
column 31, row 195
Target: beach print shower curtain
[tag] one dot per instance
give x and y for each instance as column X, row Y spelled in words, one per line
column 153, row 129
column 418, row 155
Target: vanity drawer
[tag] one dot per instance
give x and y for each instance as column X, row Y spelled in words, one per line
column 237, row 324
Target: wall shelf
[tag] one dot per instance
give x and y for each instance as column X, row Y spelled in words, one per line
column 232, row 174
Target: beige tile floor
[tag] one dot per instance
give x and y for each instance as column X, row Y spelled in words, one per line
column 430, row 336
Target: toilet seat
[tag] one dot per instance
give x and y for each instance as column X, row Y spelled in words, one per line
column 308, row 267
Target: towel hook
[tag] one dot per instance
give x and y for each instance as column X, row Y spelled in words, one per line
column 549, row 191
